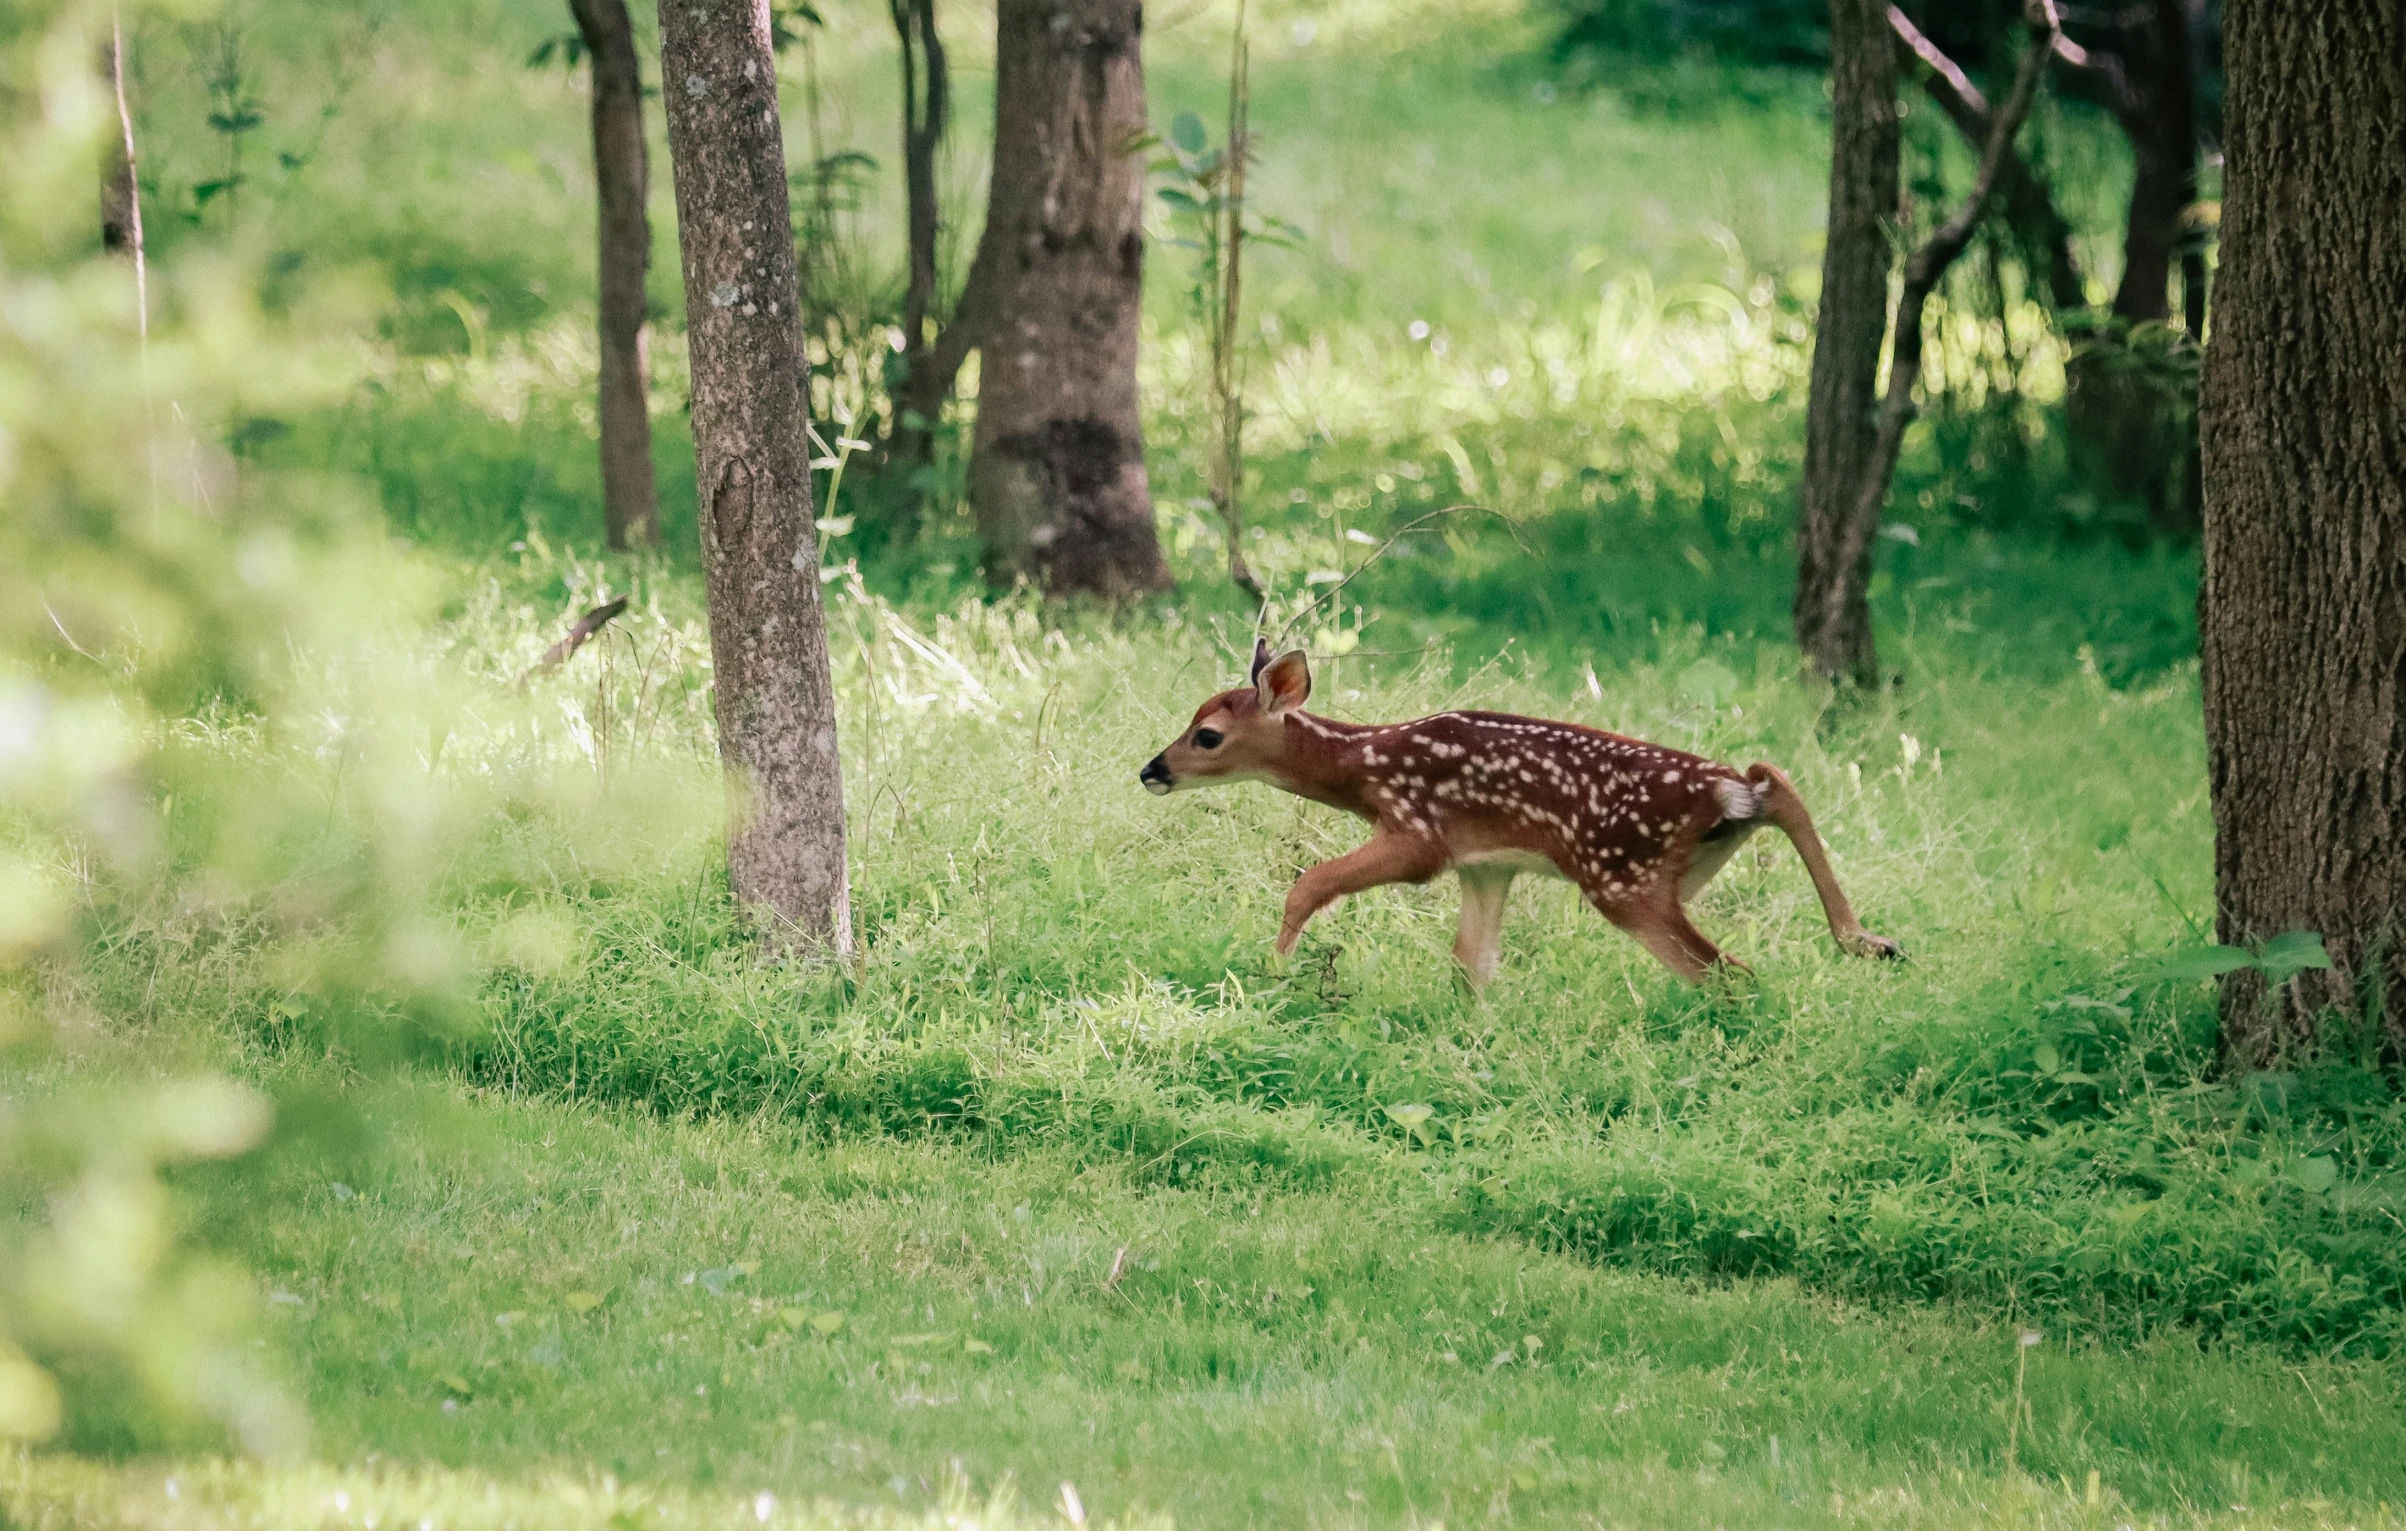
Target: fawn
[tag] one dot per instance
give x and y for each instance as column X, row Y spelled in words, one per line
column 1640, row 828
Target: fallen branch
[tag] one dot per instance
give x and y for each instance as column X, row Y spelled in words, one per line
column 586, row 626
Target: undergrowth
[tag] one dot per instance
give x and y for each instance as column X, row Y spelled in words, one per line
column 1051, row 961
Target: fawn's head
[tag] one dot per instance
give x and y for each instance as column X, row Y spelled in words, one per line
column 1238, row 735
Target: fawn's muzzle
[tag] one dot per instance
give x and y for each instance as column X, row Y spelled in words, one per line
column 1155, row 776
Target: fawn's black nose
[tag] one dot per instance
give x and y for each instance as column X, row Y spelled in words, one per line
column 1155, row 776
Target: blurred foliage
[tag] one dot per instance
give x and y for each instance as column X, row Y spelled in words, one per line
column 155, row 589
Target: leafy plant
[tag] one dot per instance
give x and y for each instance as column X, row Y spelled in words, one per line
column 2279, row 960
column 1205, row 193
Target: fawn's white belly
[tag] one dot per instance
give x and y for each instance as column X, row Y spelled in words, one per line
column 1508, row 859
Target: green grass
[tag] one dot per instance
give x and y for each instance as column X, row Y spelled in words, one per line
column 1266, row 1357
column 1643, row 1231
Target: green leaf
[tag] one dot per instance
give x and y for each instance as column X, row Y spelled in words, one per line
column 1411, row 1117
column 1180, row 200
column 2047, row 1058
column 827, row 1323
column 1186, row 131
column 2284, row 957
column 582, row 1302
column 973, row 1346
column 2201, row 962
column 2315, row 1175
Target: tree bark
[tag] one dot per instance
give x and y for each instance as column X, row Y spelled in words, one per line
column 1057, row 472
column 775, row 700
column 2304, row 603
column 1833, row 609
column 622, row 176
column 1923, row 268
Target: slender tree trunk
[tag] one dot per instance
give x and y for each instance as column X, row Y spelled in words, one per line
column 1923, row 268
column 926, row 111
column 622, row 174
column 2305, row 513
column 1057, row 472
column 120, row 190
column 1833, row 610
column 768, row 634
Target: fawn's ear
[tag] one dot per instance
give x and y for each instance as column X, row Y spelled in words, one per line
column 1285, row 683
column 1261, row 659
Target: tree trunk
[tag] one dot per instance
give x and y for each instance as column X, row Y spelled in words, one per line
column 2121, row 417
column 1833, row 609
column 622, row 175
column 1057, row 472
column 2304, row 604
column 120, row 190
column 768, row 636
column 926, row 110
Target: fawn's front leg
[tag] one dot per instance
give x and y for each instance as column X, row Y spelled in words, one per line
column 1386, row 858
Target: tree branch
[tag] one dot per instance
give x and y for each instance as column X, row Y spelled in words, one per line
column 1922, row 271
column 2028, row 203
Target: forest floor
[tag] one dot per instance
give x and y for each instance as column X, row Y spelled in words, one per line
column 1063, row 1199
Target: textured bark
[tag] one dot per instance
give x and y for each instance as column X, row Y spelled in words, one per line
column 622, row 175
column 768, row 636
column 2122, row 420
column 1057, row 473
column 2305, row 512
column 120, row 191
column 1833, row 610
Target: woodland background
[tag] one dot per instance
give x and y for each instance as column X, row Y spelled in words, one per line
column 405, row 1118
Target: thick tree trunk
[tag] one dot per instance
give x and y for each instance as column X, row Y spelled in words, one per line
column 622, row 174
column 2305, row 513
column 1057, row 472
column 1833, row 609
column 120, row 191
column 768, row 635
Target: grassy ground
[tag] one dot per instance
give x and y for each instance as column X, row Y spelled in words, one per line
column 650, row 1230
column 594, row 1313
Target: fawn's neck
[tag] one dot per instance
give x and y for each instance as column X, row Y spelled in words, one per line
column 1323, row 761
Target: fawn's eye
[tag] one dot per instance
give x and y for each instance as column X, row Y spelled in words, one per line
column 1207, row 738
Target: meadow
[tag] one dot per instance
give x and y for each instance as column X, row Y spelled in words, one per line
column 1064, row 1198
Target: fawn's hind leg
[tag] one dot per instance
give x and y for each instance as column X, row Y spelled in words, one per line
column 1782, row 806
column 1663, row 928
